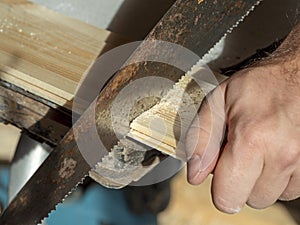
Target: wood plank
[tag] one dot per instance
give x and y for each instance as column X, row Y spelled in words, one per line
column 43, row 56
column 47, row 53
column 29, row 87
column 165, row 125
column 9, row 136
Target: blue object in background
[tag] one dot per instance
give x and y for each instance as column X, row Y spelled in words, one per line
column 4, row 178
column 98, row 206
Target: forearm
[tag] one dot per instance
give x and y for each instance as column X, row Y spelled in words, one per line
column 290, row 48
column 292, row 43
column 286, row 58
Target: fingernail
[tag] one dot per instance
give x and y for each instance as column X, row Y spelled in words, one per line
column 223, row 205
column 233, row 210
column 194, row 167
column 230, row 210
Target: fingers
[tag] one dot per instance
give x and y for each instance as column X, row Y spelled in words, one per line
column 198, row 139
column 270, row 185
column 260, row 161
column 255, row 168
column 292, row 190
column 235, row 176
column 205, row 137
column 280, row 177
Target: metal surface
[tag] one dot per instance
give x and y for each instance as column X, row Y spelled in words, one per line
column 29, row 156
column 194, row 24
column 26, row 112
column 58, row 175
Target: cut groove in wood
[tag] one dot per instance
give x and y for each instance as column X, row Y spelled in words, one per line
column 165, row 125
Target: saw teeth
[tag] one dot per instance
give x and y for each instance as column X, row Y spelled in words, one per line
column 126, row 158
column 242, row 18
column 122, row 154
column 55, row 207
column 231, row 29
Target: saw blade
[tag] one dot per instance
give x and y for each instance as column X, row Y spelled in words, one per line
column 201, row 25
column 57, row 177
column 114, row 172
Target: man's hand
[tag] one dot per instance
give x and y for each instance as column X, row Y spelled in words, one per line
column 257, row 160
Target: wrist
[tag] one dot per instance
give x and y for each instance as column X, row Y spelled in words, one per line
column 290, row 47
column 287, row 56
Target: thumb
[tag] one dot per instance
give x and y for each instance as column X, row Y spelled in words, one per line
column 205, row 136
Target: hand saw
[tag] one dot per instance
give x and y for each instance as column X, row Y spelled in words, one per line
column 195, row 24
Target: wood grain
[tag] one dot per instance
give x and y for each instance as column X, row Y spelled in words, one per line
column 47, row 53
column 165, row 125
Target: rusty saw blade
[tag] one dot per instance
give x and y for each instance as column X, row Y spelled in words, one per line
column 194, row 24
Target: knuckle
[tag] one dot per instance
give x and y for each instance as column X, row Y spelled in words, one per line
column 286, row 162
column 290, row 155
column 252, row 138
column 294, row 150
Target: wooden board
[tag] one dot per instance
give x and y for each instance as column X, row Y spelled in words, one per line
column 47, row 53
column 9, row 136
column 165, row 125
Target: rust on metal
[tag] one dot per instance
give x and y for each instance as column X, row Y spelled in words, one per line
column 64, row 168
column 67, row 168
column 180, row 25
column 47, row 188
column 46, row 123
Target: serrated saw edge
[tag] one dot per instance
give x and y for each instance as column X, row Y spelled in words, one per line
column 98, row 174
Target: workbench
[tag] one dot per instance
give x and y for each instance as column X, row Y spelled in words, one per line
column 43, row 57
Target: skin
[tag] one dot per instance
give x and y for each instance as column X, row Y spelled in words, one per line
column 257, row 160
